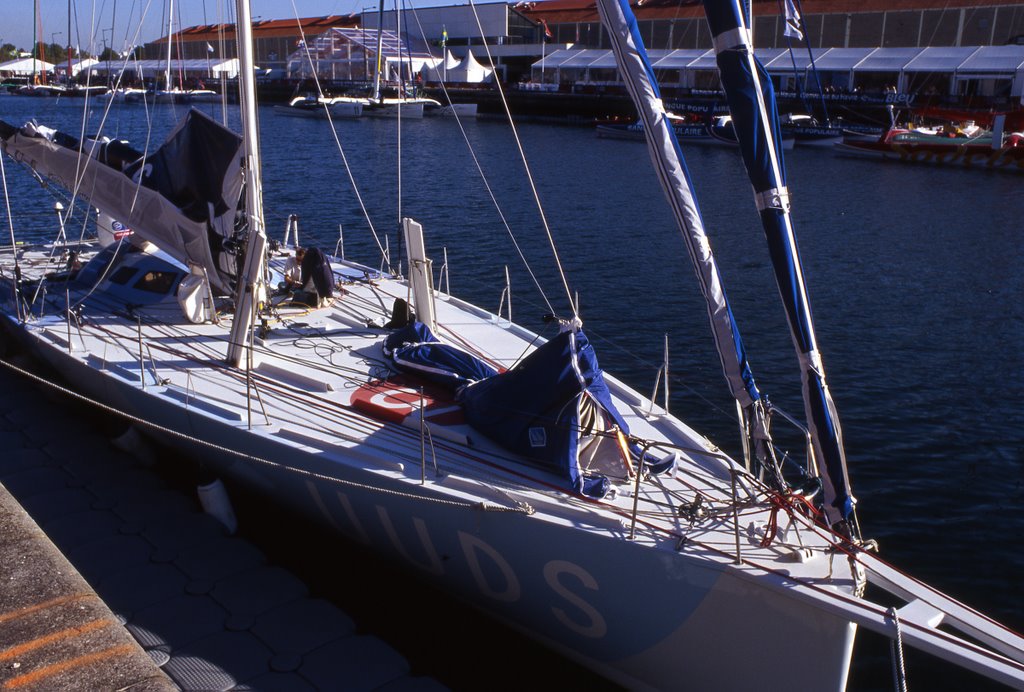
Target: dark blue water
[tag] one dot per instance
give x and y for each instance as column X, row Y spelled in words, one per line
column 916, row 278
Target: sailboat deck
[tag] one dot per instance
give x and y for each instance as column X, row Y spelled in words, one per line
column 314, row 385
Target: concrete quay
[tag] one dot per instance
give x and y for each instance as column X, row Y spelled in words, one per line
column 112, row 579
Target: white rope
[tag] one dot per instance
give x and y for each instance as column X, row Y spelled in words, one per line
column 483, row 175
column 526, row 166
column 337, row 140
column 899, row 672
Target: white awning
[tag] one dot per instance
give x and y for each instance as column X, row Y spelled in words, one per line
column 940, row 59
column 887, row 59
column 841, row 59
column 586, row 57
column 26, row 66
column 676, row 59
column 989, row 59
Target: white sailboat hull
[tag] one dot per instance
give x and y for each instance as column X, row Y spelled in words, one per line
column 645, row 612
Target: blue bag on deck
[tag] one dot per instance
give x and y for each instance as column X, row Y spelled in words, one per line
column 415, row 349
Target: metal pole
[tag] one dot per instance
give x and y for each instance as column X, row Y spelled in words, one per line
column 142, row 363
column 447, row 285
column 736, row 517
column 423, row 443
column 636, row 494
column 67, row 308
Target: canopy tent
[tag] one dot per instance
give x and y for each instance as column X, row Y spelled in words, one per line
column 932, row 70
column 899, row 67
column 351, row 54
column 439, row 72
column 939, row 59
column 25, row 67
column 992, row 70
column 994, row 59
column 77, row 65
column 678, row 59
column 887, row 59
column 833, row 66
column 469, row 71
column 565, row 65
column 150, row 69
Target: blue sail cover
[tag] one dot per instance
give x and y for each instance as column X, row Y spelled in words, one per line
column 635, row 67
column 415, row 349
column 752, row 104
column 533, row 409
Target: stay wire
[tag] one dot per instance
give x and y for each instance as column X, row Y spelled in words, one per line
column 483, row 175
column 526, row 166
column 337, row 140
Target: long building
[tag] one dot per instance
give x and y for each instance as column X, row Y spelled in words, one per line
column 671, row 24
column 949, row 48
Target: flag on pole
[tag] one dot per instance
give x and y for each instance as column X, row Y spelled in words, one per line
column 444, row 37
column 792, row 29
column 209, row 48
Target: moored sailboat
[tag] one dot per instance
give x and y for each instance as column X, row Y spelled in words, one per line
column 550, row 496
column 980, row 149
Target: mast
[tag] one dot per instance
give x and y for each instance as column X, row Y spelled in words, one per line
column 250, row 281
column 69, row 45
column 35, row 42
column 638, row 75
column 752, row 105
column 380, row 56
column 170, row 30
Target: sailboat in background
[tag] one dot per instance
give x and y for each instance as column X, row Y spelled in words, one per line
column 499, row 463
column 171, row 92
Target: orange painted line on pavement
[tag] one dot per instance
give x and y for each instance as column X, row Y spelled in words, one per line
column 51, row 670
column 28, row 610
column 14, row 651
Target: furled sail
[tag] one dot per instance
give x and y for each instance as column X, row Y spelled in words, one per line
column 636, row 71
column 182, row 198
column 547, row 406
column 752, row 104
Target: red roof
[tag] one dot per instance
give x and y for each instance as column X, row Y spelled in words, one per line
column 267, row 28
column 568, row 11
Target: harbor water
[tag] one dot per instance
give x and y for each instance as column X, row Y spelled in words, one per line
column 916, row 278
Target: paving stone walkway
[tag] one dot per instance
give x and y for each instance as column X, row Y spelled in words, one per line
column 207, row 607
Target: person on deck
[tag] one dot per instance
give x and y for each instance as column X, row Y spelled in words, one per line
column 293, row 270
column 316, row 276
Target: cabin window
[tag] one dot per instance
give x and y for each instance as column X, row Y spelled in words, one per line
column 122, row 276
column 157, row 282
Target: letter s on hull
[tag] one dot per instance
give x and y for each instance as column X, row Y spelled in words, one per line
column 596, row 627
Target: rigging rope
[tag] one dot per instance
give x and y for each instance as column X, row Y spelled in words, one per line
column 899, row 673
column 337, row 140
column 483, row 176
column 526, row 167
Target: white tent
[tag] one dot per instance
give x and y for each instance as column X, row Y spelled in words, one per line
column 77, row 65
column 149, row 69
column 469, row 71
column 25, row 67
column 440, row 71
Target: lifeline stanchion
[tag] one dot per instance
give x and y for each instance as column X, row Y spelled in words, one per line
column 67, row 308
column 736, row 516
column 636, row 493
column 142, row 361
column 423, row 444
